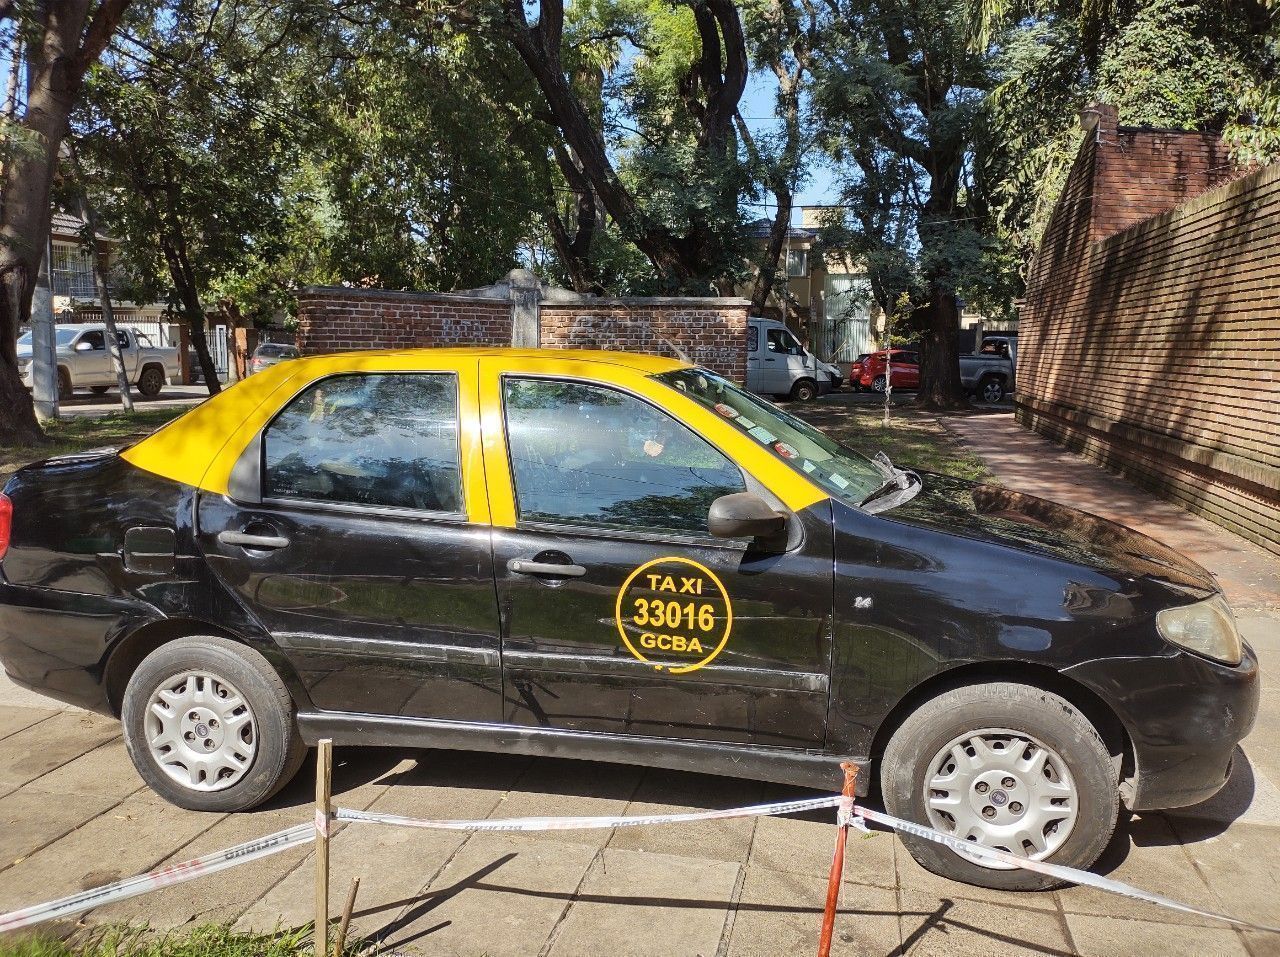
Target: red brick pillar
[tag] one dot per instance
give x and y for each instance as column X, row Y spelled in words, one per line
column 244, row 341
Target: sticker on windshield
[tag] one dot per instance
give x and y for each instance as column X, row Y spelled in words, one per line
column 726, row 411
column 674, row 615
column 808, row 467
column 746, row 423
column 839, row 481
column 761, row 434
column 786, row 451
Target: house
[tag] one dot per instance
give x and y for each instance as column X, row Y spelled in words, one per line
column 75, row 293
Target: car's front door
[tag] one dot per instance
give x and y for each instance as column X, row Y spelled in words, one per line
column 93, row 361
column 364, row 558
column 620, row 612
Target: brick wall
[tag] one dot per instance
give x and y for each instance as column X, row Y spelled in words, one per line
column 711, row 332
column 1156, row 350
column 333, row 319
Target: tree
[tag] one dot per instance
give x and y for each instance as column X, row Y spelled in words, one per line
column 64, row 39
column 899, row 97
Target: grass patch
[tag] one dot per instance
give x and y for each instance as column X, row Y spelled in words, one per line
column 208, row 940
column 80, row 433
column 911, row 438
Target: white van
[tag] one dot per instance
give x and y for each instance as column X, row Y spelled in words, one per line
column 778, row 365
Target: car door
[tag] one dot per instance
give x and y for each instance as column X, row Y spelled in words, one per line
column 910, row 370
column 92, row 361
column 363, row 557
column 128, row 356
column 620, row 612
column 779, row 372
column 755, row 359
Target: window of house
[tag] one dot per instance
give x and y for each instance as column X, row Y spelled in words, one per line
column 797, row 263
column 386, row 440
column 588, row 455
column 73, row 271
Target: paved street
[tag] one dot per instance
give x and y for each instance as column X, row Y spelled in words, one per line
column 76, row 815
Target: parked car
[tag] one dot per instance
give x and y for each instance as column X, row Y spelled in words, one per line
column 778, row 365
column 621, row 558
column 85, row 362
column 833, row 373
column 903, row 366
column 989, row 373
column 268, row 354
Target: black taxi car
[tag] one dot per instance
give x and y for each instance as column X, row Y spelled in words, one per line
column 621, row 558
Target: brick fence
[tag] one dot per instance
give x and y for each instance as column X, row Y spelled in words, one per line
column 521, row 311
column 1155, row 349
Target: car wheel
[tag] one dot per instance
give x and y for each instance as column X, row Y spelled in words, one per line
column 151, row 381
column 877, row 384
column 991, row 389
column 99, row 389
column 65, row 391
column 804, row 391
column 209, row 725
column 1009, row 766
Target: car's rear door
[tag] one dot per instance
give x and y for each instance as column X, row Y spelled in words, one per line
column 368, row 557
column 620, row 612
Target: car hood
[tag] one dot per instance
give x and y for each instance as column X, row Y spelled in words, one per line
column 1002, row 516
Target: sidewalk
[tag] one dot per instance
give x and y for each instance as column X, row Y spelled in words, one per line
column 1025, row 461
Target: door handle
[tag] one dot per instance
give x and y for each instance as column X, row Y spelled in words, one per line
column 246, row 540
column 523, row 566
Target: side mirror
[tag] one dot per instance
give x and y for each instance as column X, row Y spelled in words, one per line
column 84, row 345
column 744, row 515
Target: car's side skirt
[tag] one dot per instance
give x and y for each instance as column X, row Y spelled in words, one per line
column 814, row 769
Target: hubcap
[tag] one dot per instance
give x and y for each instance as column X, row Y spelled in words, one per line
column 201, row 731
column 1003, row 789
column 992, row 392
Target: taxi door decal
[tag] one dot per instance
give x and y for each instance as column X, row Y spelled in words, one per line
column 674, row 614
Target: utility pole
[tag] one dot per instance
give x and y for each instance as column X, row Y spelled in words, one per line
column 44, row 357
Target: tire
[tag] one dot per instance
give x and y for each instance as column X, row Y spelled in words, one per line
column 151, row 381
column 918, row 755
column 65, row 389
column 991, row 388
column 805, row 390
column 99, row 389
column 268, row 747
column 877, row 384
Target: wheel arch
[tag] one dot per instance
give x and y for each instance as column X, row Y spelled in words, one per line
column 1100, row 714
column 152, row 364
column 129, row 652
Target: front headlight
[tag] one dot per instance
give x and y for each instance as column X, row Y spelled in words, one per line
column 1208, row 628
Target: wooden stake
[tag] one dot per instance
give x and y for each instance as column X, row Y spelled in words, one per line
column 324, row 817
column 340, row 941
column 837, row 866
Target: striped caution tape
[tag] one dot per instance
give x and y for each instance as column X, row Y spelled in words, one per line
column 1070, row 874
column 164, row 877
column 584, row 823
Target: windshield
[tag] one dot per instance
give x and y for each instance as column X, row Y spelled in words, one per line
column 63, row 337
column 837, row 470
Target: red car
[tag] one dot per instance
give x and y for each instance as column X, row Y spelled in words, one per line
column 870, row 374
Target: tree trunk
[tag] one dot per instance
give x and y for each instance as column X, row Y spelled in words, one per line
column 174, row 248
column 939, row 324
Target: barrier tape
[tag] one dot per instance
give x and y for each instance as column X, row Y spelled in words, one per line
column 164, row 877
column 305, row 833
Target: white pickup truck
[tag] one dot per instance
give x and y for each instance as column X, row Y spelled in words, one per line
column 85, row 362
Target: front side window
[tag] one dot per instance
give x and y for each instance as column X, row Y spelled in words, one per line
column 784, row 343
column 386, row 440
column 837, row 470
column 585, row 454
column 95, row 339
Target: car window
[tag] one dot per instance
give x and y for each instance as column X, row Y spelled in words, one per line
column 387, row 440
column 753, row 339
column 585, row 454
column 122, row 337
column 144, row 341
column 95, row 339
column 783, row 343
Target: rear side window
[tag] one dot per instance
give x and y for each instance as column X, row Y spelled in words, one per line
column 753, row 339
column 385, row 440
column 585, row 454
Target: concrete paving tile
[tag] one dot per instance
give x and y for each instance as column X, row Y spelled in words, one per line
column 393, row 864
column 1248, row 797
column 219, row 897
column 780, row 913
column 106, row 770
column 804, row 843
column 1242, row 864
column 1107, row 936
column 455, row 785
column 955, row 927
column 1262, row 944
column 30, row 819
column 129, row 839
column 14, row 719
column 1154, row 860
column 501, row 895
column 554, row 788
column 40, row 748
column 637, row 904
column 914, row 878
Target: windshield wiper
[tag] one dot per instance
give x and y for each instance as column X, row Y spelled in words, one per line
column 896, row 479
